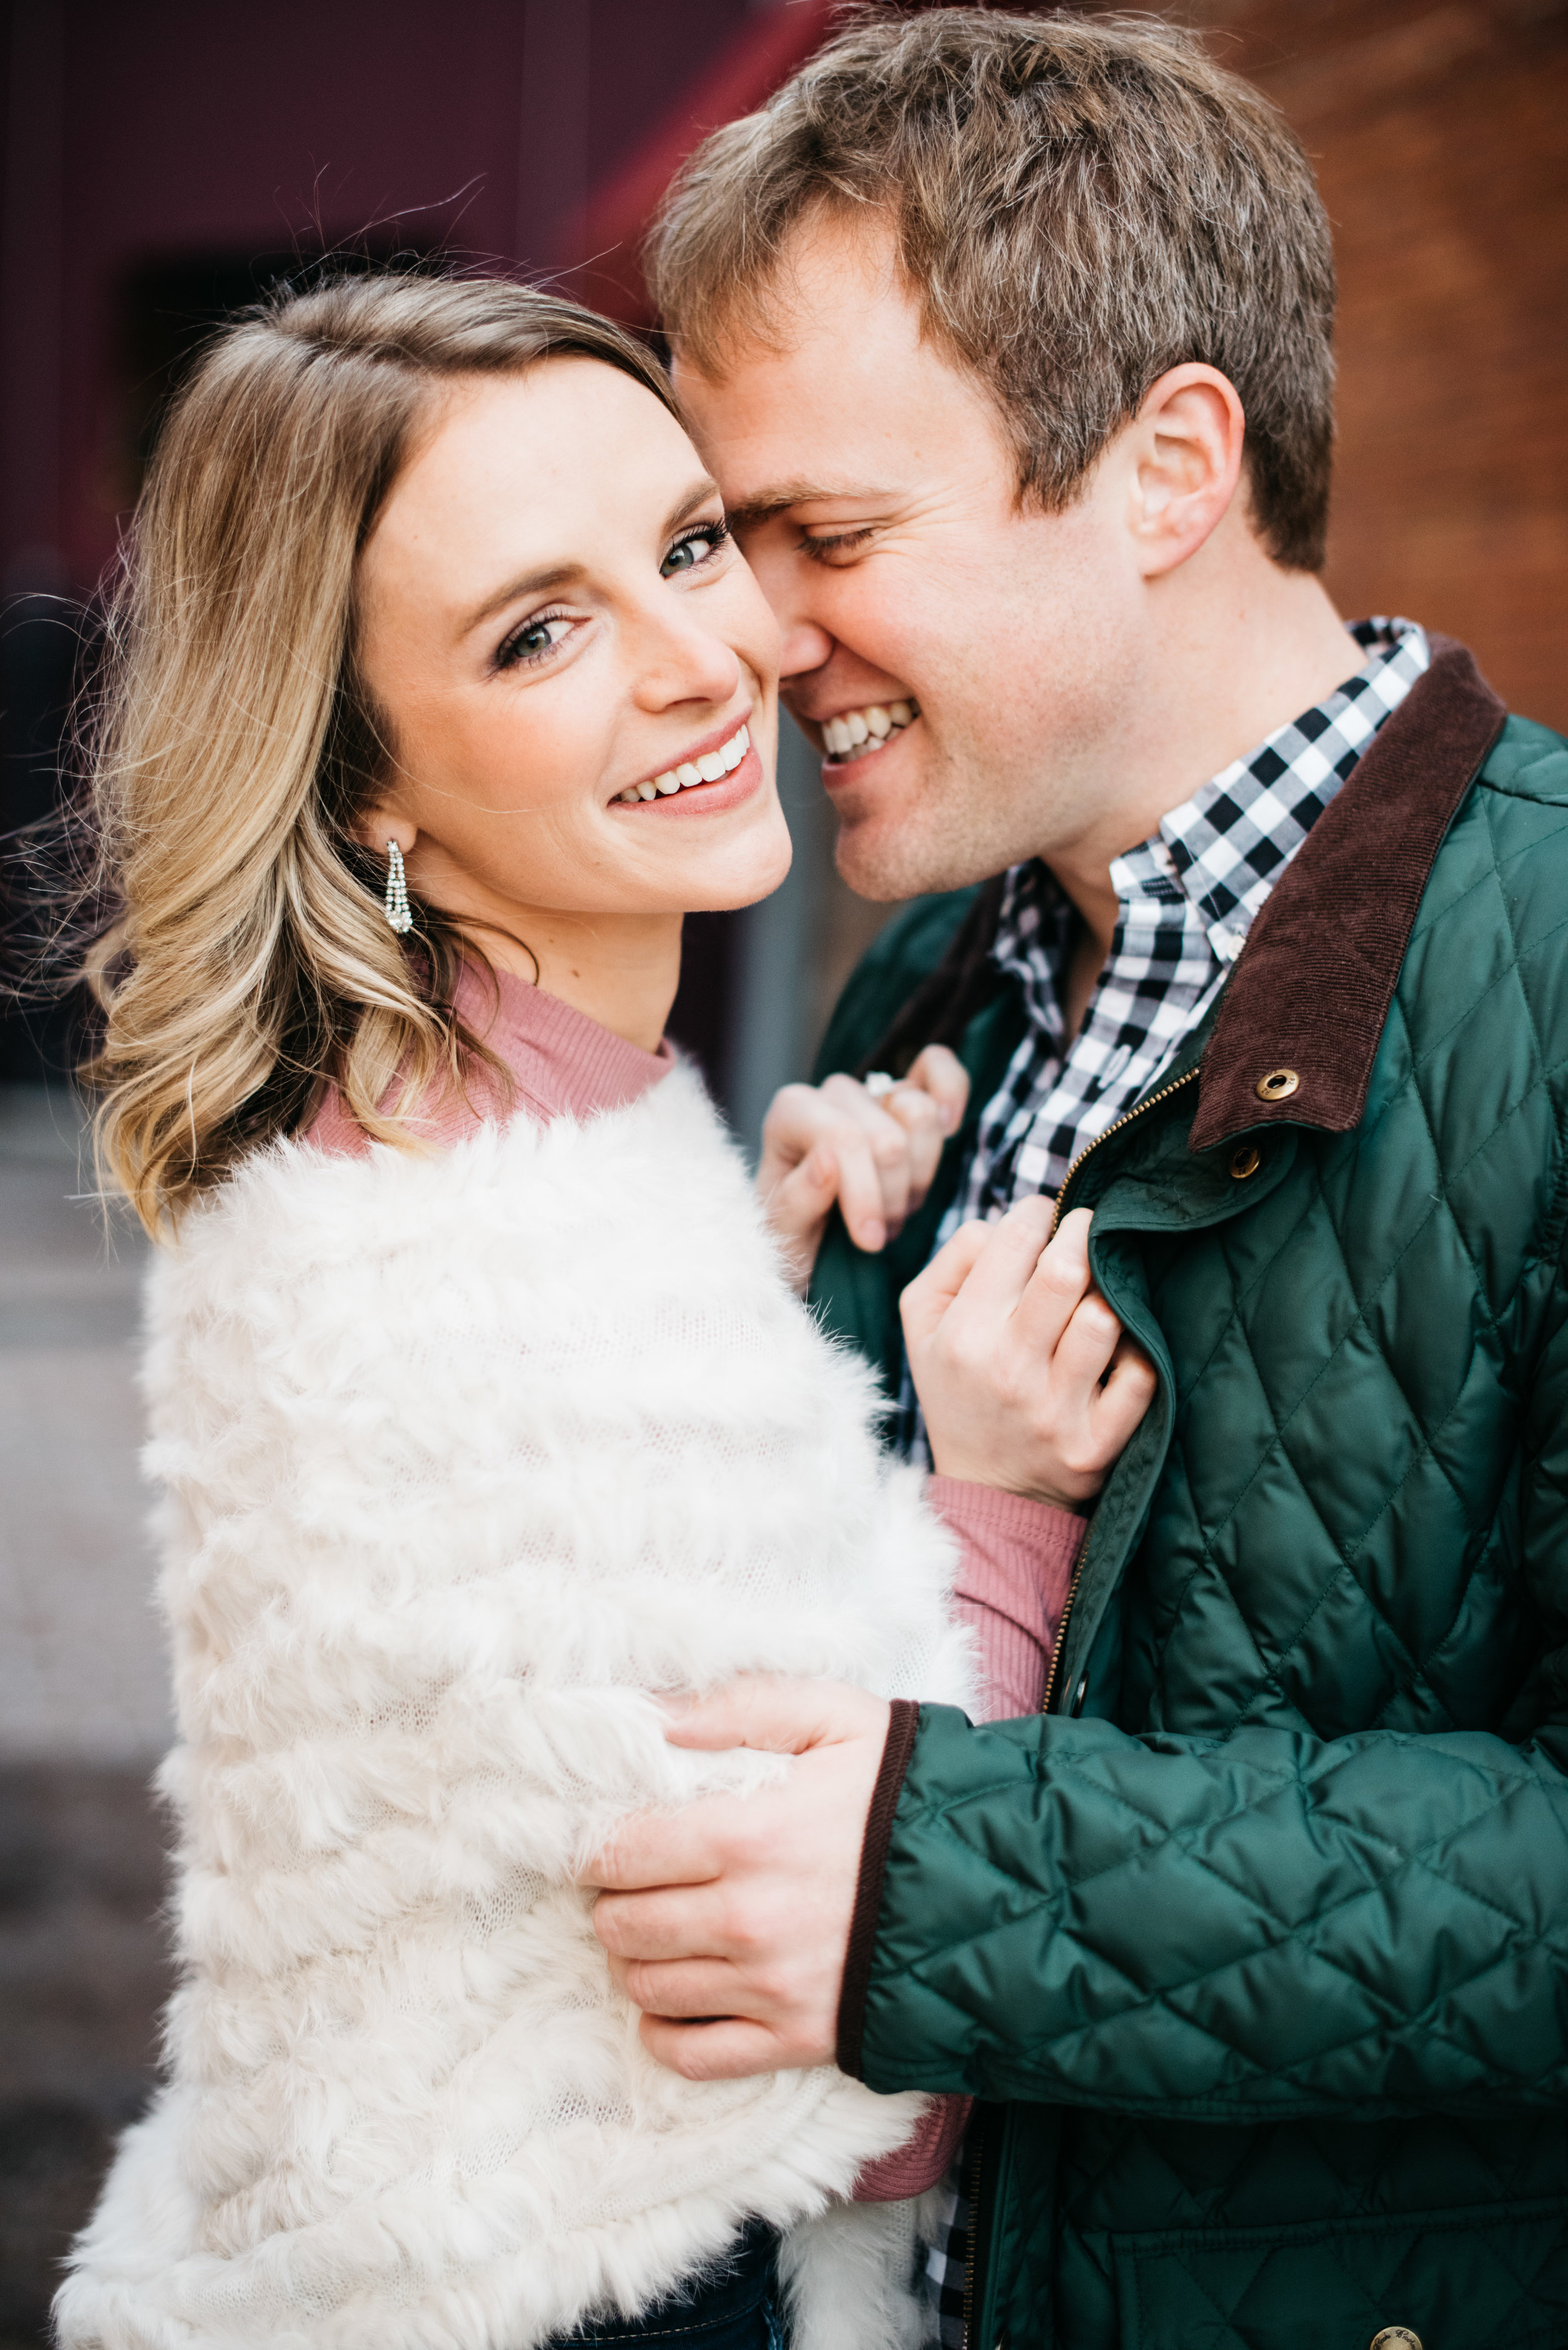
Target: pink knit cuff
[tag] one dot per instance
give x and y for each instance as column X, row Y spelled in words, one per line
column 1017, row 1563
column 922, row 2159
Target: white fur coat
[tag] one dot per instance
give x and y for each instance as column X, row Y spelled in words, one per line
column 464, row 1456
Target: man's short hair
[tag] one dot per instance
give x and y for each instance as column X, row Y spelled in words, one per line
column 1080, row 201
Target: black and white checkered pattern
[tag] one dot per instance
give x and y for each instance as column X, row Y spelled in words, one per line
column 1187, row 898
column 947, row 2261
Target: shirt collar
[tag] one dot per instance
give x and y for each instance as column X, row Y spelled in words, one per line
column 1220, row 852
column 1227, row 846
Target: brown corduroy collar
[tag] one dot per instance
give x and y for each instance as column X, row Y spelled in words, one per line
column 1310, row 993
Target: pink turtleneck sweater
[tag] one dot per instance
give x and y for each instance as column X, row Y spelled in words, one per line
column 1017, row 1557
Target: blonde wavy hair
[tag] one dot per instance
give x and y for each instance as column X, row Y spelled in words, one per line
column 232, row 742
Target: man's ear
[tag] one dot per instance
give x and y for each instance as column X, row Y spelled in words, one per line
column 1187, row 441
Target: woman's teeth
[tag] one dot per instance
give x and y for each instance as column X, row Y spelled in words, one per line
column 705, row 770
column 854, row 730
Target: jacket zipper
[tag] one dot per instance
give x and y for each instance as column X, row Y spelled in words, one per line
column 971, row 2266
column 1061, row 1627
column 966, row 2321
column 983, row 2133
column 1114, row 1127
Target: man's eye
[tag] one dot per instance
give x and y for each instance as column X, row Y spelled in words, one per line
column 698, row 546
column 833, row 547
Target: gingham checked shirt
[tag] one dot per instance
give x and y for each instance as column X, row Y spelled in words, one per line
column 1186, row 899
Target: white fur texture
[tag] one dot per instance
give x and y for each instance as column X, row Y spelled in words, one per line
column 464, row 1457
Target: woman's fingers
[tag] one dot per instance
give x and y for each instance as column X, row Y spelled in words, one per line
column 940, row 1074
column 863, row 1191
column 921, row 1117
column 792, row 1125
column 878, row 1151
column 1119, row 1406
column 884, row 1139
column 929, row 1104
column 1014, row 1285
column 1023, row 1371
column 1057, row 1288
column 1002, row 1270
column 797, row 1208
column 1088, row 1344
column 864, row 1147
column 1071, row 1237
column 926, row 1299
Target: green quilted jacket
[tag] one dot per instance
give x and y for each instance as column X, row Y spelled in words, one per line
column 1254, row 1945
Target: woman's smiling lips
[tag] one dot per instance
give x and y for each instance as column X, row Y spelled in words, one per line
column 717, row 773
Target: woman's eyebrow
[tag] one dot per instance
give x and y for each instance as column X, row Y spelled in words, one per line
column 697, row 495
column 527, row 583
column 561, row 575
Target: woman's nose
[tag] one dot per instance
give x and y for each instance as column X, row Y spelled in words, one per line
column 686, row 662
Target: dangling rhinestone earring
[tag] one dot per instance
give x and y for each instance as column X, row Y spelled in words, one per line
column 397, row 914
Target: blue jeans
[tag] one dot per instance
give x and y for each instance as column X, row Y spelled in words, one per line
column 734, row 2306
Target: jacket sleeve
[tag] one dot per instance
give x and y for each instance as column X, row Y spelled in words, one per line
column 1240, row 1929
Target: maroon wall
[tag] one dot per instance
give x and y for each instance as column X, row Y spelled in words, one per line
column 146, row 141
column 1440, row 137
column 135, row 134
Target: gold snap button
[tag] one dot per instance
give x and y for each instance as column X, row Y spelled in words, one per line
column 1395, row 2338
column 1244, row 1162
column 1277, row 1085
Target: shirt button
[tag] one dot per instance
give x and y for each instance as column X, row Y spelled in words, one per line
column 1395, row 2337
column 1277, row 1085
column 1244, row 1162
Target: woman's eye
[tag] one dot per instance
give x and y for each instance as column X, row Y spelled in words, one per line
column 533, row 640
column 698, row 546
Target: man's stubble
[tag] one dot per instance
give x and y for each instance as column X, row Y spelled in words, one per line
column 982, row 800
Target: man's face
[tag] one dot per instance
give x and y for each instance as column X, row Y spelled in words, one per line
column 874, row 492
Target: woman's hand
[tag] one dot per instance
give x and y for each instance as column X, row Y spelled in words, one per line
column 1025, row 1375
column 875, row 1153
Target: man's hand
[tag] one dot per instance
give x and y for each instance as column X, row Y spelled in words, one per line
column 875, row 1153
column 1023, row 1373
column 728, row 1922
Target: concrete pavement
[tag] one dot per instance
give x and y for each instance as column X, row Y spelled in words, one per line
column 83, row 1706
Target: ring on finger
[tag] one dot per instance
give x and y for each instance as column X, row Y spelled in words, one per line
column 879, row 1083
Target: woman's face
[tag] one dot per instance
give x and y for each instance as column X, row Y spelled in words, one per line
column 559, row 630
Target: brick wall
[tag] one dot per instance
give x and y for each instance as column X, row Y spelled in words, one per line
column 1440, row 137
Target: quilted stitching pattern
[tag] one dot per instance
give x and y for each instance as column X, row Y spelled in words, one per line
column 1342, row 1654
column 1299, row 2289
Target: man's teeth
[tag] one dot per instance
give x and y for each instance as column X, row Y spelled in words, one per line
column 875, row 724
column 705, row 770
